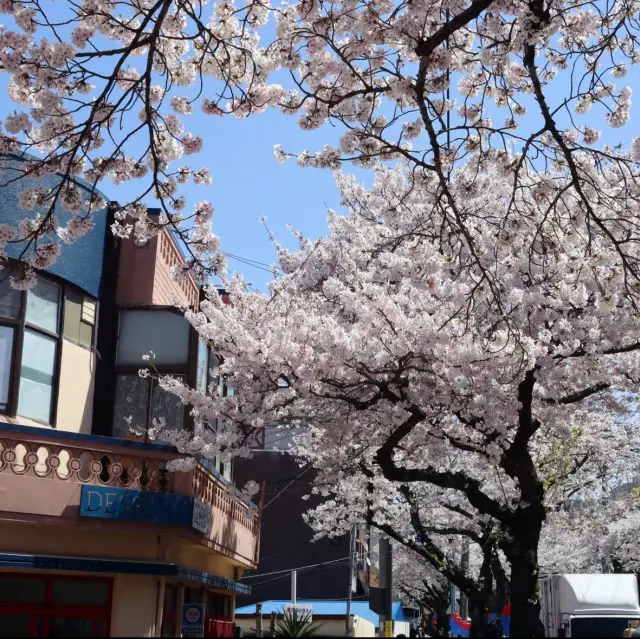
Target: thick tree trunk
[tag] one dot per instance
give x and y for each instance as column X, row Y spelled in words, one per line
column 525, row 601
column 525, row 606
column 479, row 622
column 479, row 605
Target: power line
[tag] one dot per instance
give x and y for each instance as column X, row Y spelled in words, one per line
column 248, row 259
column 277, row 572
column 285, row 489
column 247, row 262
column 288, row 576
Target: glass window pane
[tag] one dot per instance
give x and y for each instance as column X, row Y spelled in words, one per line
column 14, row 625
column 70, row 627
column 192, row 595
column 79, row 592
column 167, row 406
column 88, row 311
column 214, row 378
column 201, row 376
column 22, row 590
column 72, row 314
column 163, row 332
column 43, row 302
column 6, row 350
column 36, row 376
column 9, row 297
column 86, row 335
column 132, row 399
column 168, row 629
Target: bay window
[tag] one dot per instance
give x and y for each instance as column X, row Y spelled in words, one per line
column 140, row 400
column 32, row 326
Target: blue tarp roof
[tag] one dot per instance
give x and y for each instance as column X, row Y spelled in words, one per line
column 326, row 607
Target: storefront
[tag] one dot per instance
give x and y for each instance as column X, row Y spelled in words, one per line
column 39, row 605
column 55, row 596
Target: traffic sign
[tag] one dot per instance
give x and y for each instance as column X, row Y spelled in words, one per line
column 193, row 620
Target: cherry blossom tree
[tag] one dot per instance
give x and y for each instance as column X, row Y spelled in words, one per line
column 104, row 90
column 595, row 536
column 428, row 528
column 501, row 380
column 471, row 325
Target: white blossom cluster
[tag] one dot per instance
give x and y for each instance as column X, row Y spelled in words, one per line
column 411, row 82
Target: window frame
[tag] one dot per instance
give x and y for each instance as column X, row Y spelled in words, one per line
column 185, row 371
column 21, row 324
column 47, row 610
column 220, row 382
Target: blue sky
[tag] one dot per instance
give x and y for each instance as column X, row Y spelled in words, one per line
column 249, row 183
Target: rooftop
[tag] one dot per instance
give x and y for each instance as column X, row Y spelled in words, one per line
column 325, row 608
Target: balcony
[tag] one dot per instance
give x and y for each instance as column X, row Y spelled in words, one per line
column 42, row 472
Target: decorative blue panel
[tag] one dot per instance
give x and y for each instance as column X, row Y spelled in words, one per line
column 81, row 262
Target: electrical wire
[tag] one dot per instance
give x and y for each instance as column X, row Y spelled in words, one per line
column 287, row 486
column 244, row 260
column 344, row 562
column 277, row 572
column 248, row 259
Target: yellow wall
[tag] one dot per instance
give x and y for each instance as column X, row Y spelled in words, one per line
column 133, row 612
column 108, row 540
column 75, row 397
column 75, row 394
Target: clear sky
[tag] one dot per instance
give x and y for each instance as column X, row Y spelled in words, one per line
column 249, row 183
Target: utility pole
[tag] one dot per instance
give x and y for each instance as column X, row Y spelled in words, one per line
column 259, row 632
column 386, row 582
column 352, row 559
column 294, row 586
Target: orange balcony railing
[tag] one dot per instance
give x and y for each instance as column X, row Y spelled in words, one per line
column 59, row 458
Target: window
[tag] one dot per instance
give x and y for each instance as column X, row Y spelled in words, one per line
column 6, row 352
column 218, row 606
column 37, row 375
column 10, row 299
column 54, row 606
column 215, row 384
column 79, row 318
column 142, row 331
column 31, row 330
column 202, row 375
column 139, row 401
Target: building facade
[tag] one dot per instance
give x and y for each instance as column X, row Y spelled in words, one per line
column 285, row 547
column 97, row 538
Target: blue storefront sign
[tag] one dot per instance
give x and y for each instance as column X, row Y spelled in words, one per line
column 105, row 502
column 202, row 516
column 193, row 619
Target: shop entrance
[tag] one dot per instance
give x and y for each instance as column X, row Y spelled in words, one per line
column 37, row 605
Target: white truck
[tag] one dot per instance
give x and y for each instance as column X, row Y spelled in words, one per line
column 589, row 605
